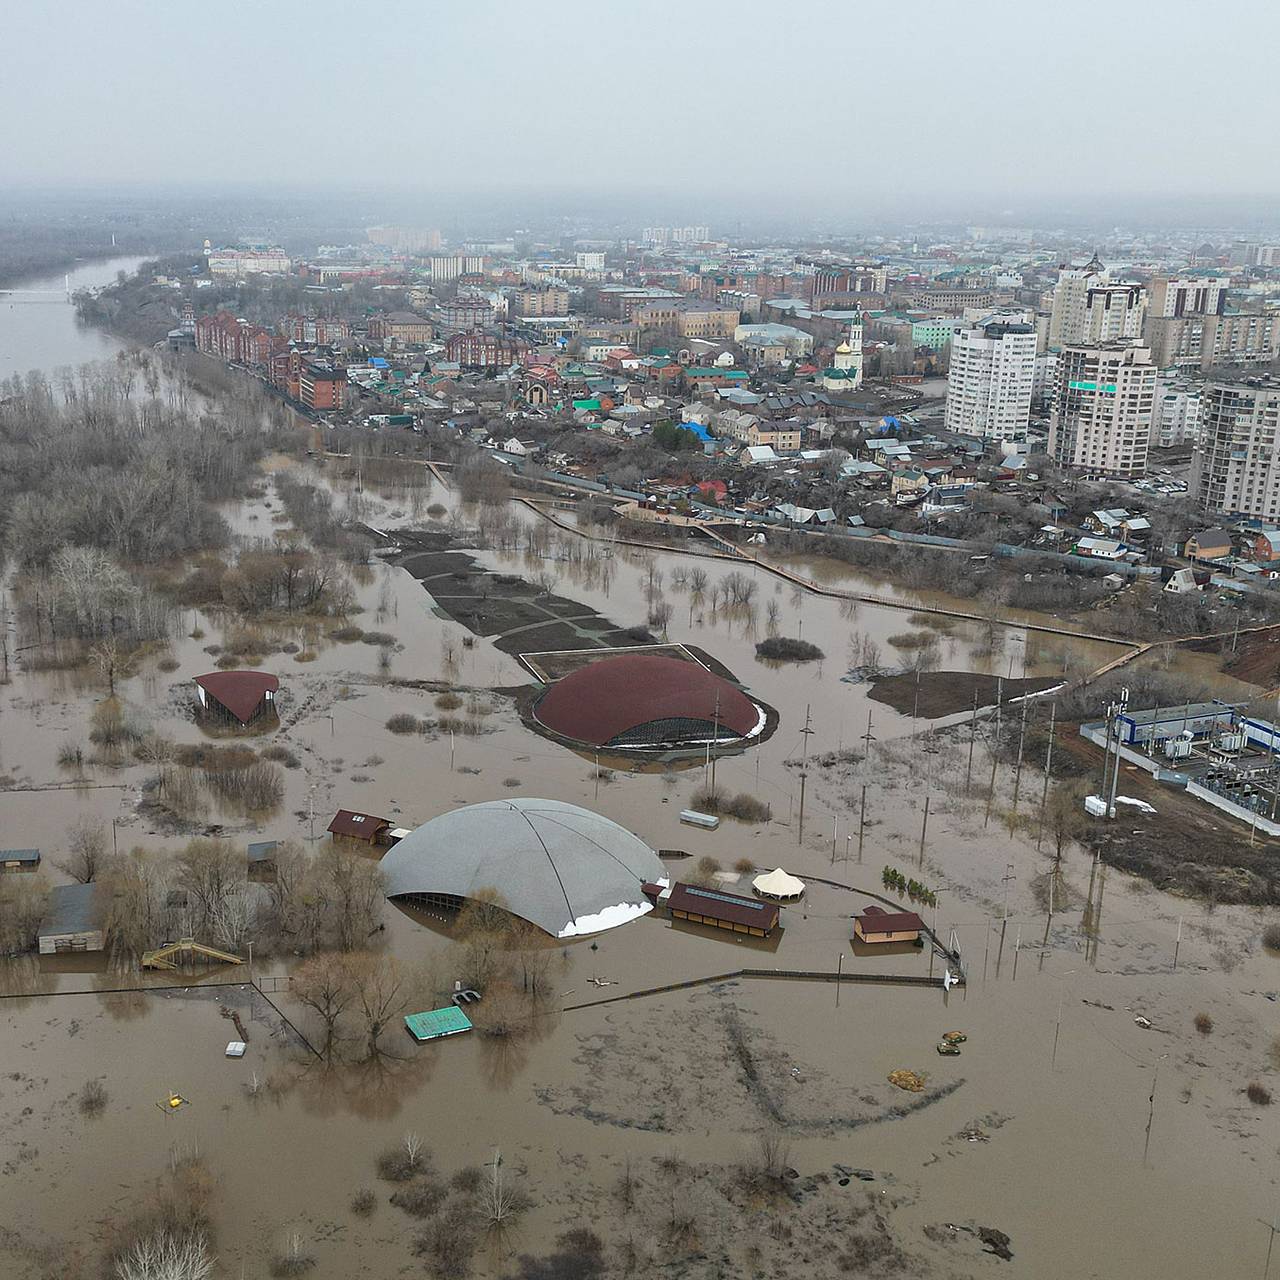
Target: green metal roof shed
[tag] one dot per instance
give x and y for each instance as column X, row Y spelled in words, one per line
column 435, row 1023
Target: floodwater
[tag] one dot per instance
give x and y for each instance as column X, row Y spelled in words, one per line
column 39, row 328
column 1056, row 1078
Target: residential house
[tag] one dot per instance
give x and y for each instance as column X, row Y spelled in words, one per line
column 1100, row 548
column 908, row 485
column 1210, row 544
column 1266, row 545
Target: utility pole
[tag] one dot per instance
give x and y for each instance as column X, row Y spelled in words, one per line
column 867, row 738
column 1017, row 771
column 924, row 826
column 1048, row 768
column 835, row 826
column 804, row 766
column 973, row 733
column 1121, row 707
column 862, row 823
column 715, row 738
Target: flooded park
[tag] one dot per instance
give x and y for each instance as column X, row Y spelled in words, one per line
column 706, row 1102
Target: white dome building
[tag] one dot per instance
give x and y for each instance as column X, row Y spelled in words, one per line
column 565, row 869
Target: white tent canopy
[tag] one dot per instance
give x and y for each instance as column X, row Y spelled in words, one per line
column 779, row 885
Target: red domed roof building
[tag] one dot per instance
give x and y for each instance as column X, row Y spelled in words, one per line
column 639, row 701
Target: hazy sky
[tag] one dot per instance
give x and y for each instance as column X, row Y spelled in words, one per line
column 823, row 104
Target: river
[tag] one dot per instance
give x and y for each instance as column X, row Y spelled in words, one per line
column 44, row 332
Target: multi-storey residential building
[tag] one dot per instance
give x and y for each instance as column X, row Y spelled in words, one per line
column 1186, row 295
column 321, row 386
column 1103, row 408
column 1177, row 412
column 838, row 281
column 991, row 380
column 951, row 301
column 589, row 260
column 1068, row 303
column 1111, row 311
column 466, row 311
column 1235, row 469
column 442, row 268
column 1203, row 341
column 478, row 350
column 743, row 301
column 233, row 341
column 315, row 330
column 538, row 300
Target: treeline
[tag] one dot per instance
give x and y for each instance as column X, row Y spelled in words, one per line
column 115, row 467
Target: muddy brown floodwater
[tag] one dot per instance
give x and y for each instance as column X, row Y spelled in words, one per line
column 1100, row 1146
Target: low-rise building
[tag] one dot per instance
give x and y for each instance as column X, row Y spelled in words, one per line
column 72, row 921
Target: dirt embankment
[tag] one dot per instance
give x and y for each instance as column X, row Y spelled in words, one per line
column 1255, row 658
column 1186, row 847
column 943, row 693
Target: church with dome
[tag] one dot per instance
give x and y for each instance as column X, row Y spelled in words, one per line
column 845, row 371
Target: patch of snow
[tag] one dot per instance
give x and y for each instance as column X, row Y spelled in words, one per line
column 1098, row 806
column 1138, row 804
column 609, row 918
column 1039, row 693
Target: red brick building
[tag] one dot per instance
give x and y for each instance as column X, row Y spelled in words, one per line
column 478, row 350
column 322, row 387
column 233, row 341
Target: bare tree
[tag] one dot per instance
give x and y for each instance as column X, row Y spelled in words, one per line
column 86, row 850
column 379, row 987
column 136, row 890
column 326, row 985
column 356, row 894
column 22, row 905
column 166, row 1256
column 209, row 870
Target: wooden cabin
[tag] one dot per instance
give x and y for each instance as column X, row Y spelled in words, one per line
column 721, row 910
column 878, row 926
column 365, row 827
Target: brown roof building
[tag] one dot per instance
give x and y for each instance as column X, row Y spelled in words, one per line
column 722, row 910
column 646, row 700
column 359, row 826
column 242, row 696
column 877, row 925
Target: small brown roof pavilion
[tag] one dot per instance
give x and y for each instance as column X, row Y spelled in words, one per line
column 876, row 920
column 359, row 826
column 242, row 694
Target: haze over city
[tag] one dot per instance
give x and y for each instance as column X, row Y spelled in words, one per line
column 820, row 109
column 639, row 641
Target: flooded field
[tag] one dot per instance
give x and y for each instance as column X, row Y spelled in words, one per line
column 1098, row 1144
